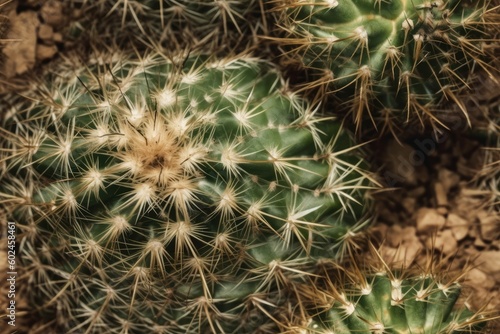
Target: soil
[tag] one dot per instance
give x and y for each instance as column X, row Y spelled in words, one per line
column 439, row 199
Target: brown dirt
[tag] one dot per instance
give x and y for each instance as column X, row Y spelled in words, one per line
column 435, row 204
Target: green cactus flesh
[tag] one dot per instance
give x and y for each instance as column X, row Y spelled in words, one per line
column 175, row 194
column 386, row 304
column 398, row 56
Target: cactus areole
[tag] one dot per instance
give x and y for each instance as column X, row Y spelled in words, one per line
column 391, row 55
column 161, row 194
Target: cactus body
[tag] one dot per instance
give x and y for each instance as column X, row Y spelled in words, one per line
column 176, row 194
column 394, row 58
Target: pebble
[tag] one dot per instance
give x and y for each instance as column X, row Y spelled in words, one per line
column 402, row 256
column 444, row 242
column 45, row 32
column 458, row 226
column 448, row 179
column 394, row 236
column 58, row 37
column 475, row 276
column 20, row 55
column 489, row 263
column 479, row 243
column 441, row 194
column 44, row 52
column 52, row 13
column 429, row 220
column 489, row 226
column 443, row 211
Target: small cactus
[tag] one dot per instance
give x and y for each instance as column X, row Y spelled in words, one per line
column 175, row 194
column 398, row 60
column 386, row 300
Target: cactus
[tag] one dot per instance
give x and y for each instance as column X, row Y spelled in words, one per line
column 175, row 193
column 388, row 300
column 397, row 60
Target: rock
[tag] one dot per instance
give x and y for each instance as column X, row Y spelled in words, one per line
column 444, row 242
column 45, row 32
column 429, row 220
column 441, row 194
column 458, row 226
column 44, row 52
column 443, row 211
column 20, row 54
column 476, row 277
column 52, row 13
column 57, row 37
column 489, row 225
column 394, row 236
column 467, row 206
column 448, row 179
column 489, row 262
column 479, row 243
column 402, row 256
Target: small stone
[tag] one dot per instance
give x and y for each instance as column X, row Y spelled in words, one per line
column 479, row 243
column 476, row 277
column 20, row 54
column 441, row 195
column 459, row 226
column 489, row 262
column 489, row 226
column 443, row 211
column 429, row 220
column 410, row 234
column 394, row 236
column 448, row 179
column 402, row 256
column 467, row 206
column 45, row 32
column 44, row 52
column 52, row 13
column 57, row 37
column 444, row 242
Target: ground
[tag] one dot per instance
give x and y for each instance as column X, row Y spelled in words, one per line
column 436, row 199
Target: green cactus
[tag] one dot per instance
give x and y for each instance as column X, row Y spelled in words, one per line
column 175, row 194
column 389, row 301
column 399, row 60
